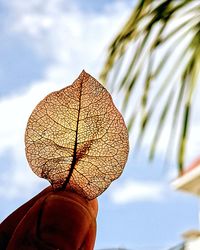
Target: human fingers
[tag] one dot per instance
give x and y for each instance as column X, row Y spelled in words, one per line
column 58, row 220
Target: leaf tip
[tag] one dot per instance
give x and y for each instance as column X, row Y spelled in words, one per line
column 84, row 74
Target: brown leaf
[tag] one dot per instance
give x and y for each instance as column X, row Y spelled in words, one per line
column 77, row 137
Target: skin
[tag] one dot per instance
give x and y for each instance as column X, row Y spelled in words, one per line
column 51, row 220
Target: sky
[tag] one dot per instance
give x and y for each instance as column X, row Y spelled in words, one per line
column 44, row 47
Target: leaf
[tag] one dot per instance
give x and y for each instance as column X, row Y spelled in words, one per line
column 77, row 137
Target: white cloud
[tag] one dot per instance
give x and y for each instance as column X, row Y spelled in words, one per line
column 66, row 34
column 136, row 191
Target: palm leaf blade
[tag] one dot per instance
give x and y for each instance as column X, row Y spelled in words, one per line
column 151, row 28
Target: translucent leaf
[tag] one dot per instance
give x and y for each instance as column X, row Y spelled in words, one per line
column 77, row 137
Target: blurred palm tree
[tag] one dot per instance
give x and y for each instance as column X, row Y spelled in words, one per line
column 161, row 39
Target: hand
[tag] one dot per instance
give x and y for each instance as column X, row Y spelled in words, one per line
column 51, row 220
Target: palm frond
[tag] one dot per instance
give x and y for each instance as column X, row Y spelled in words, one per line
column 159, row 40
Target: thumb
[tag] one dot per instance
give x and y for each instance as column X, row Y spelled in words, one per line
column 60, row 220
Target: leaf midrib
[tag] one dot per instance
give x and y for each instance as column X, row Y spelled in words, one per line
column 76, row 138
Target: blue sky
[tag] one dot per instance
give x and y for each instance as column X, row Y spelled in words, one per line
column 44, row 48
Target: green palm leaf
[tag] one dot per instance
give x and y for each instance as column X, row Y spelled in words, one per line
column 161, row 39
